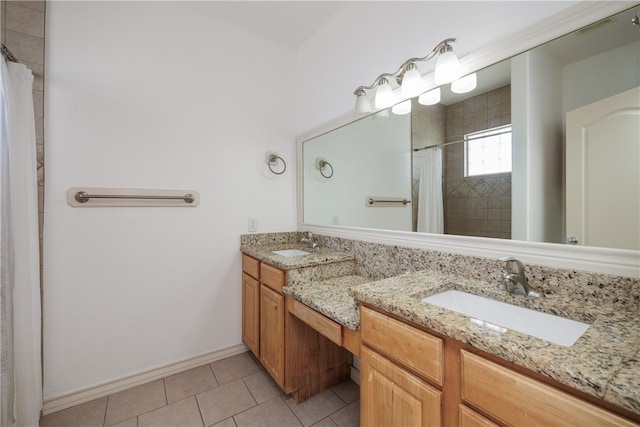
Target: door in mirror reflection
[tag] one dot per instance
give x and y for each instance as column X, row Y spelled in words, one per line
column 603, row 178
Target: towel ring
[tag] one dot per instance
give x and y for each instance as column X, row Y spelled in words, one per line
column 322, row 164
column 273, row 159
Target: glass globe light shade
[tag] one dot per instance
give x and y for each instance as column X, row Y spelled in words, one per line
column 411, row 83
column 430, row 98
column 363, row 105
column 402, row 108
column 384, row 94
column 447, row 67
column 465, row 84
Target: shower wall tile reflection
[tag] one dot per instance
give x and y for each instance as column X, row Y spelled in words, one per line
column 477, row 206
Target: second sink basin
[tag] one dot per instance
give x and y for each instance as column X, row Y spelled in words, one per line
column 501, row 316
column 291, row 252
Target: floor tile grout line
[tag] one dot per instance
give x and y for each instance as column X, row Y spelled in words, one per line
column 213, row 371
column 195, row 396
column 106, row 410
column 214, row 375
column 164, row 387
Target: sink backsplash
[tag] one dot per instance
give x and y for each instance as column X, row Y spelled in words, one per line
column 380, row 261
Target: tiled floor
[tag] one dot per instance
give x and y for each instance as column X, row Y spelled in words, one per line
column 228, row 393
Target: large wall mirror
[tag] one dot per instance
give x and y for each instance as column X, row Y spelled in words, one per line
column 546, row 149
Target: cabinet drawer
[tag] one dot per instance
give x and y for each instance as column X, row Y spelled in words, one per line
column 317, row 321
column 251, row 266
column 408, row 345
column 521, row 401
column 272, row 277
column 470, row 418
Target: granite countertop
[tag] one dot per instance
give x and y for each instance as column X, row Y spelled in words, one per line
column 603, row 362
column 330, row 297
column 318, row 256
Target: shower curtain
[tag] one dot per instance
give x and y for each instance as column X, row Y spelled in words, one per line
column 20, row 317
column 430, row 203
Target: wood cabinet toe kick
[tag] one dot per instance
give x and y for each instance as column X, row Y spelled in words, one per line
column 335, row 332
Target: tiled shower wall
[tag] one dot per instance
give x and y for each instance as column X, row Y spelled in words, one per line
column 477, row 206
column 22, row 31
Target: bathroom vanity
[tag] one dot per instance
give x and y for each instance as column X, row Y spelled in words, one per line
column 422, row 364
column 407, row 365
column 303, row 351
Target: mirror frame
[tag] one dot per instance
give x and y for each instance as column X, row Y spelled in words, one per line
column 593, row 259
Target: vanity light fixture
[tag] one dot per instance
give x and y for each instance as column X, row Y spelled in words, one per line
column 384, row 94
column 448, row 67
column 363, row 105
column 409, row 78
column 465, row 84
column 412, row 84
column 430, row 98
column 402, row 108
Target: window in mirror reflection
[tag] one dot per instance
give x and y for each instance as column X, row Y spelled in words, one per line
column 488, row 151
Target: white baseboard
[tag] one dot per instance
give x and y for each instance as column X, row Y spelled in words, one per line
column 68, row 400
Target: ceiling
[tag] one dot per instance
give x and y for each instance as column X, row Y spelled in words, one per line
column 290, row 23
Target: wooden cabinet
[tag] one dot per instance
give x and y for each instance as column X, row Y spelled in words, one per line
column 263, row 315
column 299, row 358
column 393, row 390
column 418, row 350
column 272, row 333
column 251, row 313
column 412, row 377
column 392, row 396
column 515, row 399
column 470, row 418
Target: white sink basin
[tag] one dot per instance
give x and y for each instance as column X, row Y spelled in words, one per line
column 501, row 316
column 291, row 252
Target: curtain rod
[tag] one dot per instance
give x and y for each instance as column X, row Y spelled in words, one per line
column 459, row 141
column 7, row 53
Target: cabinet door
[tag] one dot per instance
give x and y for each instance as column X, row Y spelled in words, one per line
column 251, row 313
column 272, row 311
column 391, row 396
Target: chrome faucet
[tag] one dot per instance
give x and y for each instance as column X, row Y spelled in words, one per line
column 309, row 240
column 515, row 280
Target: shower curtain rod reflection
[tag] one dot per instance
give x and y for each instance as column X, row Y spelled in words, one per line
column 428, row 147
column 7, row 53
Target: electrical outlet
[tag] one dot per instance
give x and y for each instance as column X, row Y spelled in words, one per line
column 253, row 224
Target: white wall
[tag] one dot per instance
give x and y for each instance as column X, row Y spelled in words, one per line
column 365, row 39
column 619, row 66
column 537, row 177
column 155, row 95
